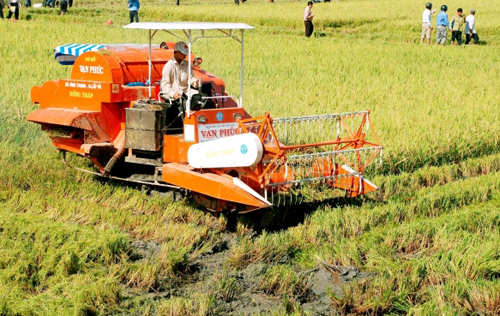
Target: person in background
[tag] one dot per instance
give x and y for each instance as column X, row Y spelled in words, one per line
column 27, row 4
column 426, row 23
column 308, row 16
column 64, row 6
column 16, row 5
column 175, row 74
column 457, row 26
column 51, row 3
column 1, row 9
column 470, row 28
column 133, row 7
column 443, row 25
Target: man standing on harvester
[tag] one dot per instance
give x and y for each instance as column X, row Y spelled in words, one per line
column 443, row 25
column 175, row 74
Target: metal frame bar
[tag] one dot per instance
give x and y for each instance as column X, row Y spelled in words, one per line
column 241, row 71
column 317, row 117
column 220, row 97
column 155, row 183
column 188, row 105
column 149, row 63
column 334, row 152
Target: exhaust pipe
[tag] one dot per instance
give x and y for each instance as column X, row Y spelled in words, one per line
column 120, row 149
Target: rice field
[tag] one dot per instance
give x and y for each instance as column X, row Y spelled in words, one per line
column 427, row 243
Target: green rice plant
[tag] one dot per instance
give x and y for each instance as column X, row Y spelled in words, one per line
column 57, row 268
column 269, row 248
column 226, row 288
column 281, row 280
column 202, row 305
column 406, row 184
column 170, row 267
column 457, row 254
column 372, row 297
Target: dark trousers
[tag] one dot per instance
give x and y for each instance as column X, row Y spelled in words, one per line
column 27, row 3
column 64, row 6
column 1, row 10
column 133, row 14
column 468, row 38
column 309, row 28
column 456, row 35
column 16, row 11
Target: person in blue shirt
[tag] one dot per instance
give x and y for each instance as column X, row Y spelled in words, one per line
column 443, row 25
column 133, row 7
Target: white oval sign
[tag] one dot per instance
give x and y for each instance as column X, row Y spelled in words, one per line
column 243, row 150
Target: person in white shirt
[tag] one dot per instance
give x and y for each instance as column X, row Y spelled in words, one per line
column 470, row 28
column 16, row 5
column 175, row 74
column 426, row 23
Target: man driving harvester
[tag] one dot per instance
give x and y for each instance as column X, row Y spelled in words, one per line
column 175, row 87
column 175, row 75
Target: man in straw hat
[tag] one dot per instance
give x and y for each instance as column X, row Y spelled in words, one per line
column 175, row 74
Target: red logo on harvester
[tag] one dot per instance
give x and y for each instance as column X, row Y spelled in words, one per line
column 218, row 133
column 208, row 132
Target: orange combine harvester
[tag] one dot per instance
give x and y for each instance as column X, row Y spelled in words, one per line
column 111, row 111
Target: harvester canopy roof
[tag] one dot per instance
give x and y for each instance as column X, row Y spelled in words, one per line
column 67, row 54
column 188, row 26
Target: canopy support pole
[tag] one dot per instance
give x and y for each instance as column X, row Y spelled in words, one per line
column 241, row 74
column 188, row 105
column 149, row 81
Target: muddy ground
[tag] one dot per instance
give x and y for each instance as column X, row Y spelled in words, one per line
column 208, row 269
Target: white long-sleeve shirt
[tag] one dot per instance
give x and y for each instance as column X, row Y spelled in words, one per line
column 426, row 17
column 470, row 24
column 175, row 78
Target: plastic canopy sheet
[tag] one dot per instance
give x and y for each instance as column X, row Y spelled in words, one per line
column 67, row 54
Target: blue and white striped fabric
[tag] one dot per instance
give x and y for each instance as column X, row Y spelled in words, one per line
column 67, row 54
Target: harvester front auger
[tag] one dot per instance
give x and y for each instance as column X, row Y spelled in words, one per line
column 110, row 111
